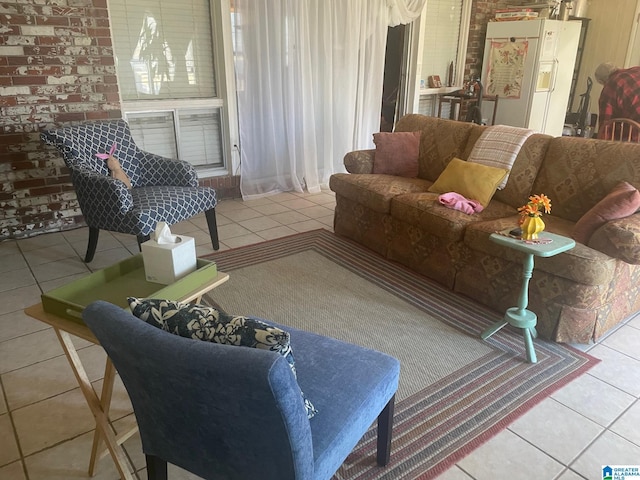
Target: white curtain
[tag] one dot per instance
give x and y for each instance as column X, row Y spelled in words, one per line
column 309, row 77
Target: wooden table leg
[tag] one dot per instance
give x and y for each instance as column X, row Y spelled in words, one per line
column 105, row 402
column 102, row 421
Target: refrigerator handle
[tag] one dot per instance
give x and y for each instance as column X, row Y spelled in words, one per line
column 554, row 74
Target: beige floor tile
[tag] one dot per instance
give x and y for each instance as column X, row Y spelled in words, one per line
column 221, row 220
column 9, row 247
column 60, row 268
column 49, row 254
column 16, row 324
column 625, row 340
column 183, row 228
column 108, row 258
column 594, row 399
column 617, row 369
column 69, row 460
column 45, row 240
column 19, row 298
column 232, row 230
column 608, row 449
column 287, row 218
column 297, row 204
column 120, row 403
column 13, row 471
column 508, row 456
column 243, row 240
column 29, row 349
column 628, row 424
column 271, row 208
column 77, row 234
column 283, row 197
column 316, row 212
column 572, row 432
column 306, row 226
column 259, row 224
column 205, row 250
column 454, row 473
column 39, row 381
column 634, row 322
column 242, row 214
column 105, row 242
column 51, row 421
column 277, row 232
column 327, row 199
column 12, row 261
column 571, row 475
column 16, row 279
column 8, row 447
column 258, row 202
column 326, row 221
column 226, row 206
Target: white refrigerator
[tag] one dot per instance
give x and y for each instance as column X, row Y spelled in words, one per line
column 529, row 65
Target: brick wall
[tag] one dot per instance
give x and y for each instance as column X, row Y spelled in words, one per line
column 56, row 67
column 481, row 12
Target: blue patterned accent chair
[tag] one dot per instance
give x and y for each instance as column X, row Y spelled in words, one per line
column 232, row 412
column 163, row 190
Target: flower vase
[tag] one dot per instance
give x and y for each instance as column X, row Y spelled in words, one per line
column 531, row 227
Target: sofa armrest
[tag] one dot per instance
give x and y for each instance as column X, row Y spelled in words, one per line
column 619, row 239
column 359, row 161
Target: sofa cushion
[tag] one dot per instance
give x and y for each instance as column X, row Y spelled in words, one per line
column 375, row 191
column 471, row 180
column 622, row 201
column 396, row 153
column 423, row 210
column 441, row 140
column 577, row 173
column 619, row 239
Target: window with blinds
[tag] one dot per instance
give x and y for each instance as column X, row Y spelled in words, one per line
column 165, row 61
column 441, row 37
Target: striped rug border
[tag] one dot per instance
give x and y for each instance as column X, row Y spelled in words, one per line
column 438, row 426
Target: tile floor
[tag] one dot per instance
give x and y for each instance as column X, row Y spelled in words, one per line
column 46, row 429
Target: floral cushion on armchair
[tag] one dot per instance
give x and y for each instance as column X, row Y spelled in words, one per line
column 201, row 322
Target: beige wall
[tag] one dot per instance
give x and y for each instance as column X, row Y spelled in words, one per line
column 607, row 41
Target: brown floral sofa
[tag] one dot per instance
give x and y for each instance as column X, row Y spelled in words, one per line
column 578, row 295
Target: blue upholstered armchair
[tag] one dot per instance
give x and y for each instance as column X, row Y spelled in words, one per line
column 163, row 190
column 231, row 412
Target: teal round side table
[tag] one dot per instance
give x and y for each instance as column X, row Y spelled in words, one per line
column 547, row 245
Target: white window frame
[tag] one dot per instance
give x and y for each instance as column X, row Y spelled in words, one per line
column 415, row 49
column 225, row 100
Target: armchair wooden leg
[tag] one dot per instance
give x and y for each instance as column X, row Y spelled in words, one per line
column 93, row 243
column 385, row 427
column 213, row 228
column 156, row 468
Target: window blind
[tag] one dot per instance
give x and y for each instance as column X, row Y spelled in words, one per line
column 164, row 50
column 442, row 31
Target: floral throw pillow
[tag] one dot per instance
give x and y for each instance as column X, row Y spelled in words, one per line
column 201, row 322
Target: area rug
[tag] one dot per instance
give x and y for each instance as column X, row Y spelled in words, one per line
column 456, row 391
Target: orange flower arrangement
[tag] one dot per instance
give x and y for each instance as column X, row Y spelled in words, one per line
column 535, row 206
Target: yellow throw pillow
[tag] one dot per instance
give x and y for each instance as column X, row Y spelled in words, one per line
column 473, row 181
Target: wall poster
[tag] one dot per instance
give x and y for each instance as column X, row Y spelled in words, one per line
column 506, row 68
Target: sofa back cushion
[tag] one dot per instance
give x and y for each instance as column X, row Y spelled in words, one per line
column 524, row 170
column 441, row 140
column 577, row 173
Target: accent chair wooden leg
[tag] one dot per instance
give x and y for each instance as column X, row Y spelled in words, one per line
column 93, row 243
column 385, row 431
column 142, row 239
column 156, row 468
column 213, row 227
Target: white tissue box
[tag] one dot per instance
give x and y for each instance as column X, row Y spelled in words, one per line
column 167, row 262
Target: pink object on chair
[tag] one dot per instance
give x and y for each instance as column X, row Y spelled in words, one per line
column 458, row 202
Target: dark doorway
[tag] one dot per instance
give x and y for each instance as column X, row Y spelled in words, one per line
column 392, row 76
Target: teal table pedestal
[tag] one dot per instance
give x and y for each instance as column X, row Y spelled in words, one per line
column 548, row 245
